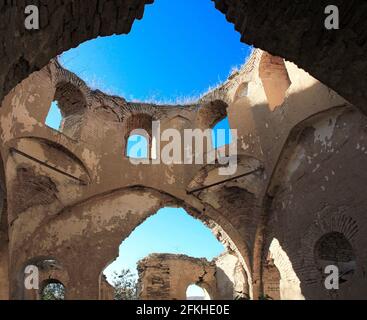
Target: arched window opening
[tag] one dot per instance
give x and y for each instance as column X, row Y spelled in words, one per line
column 137, row 132
column 53, row 290
column 221, row 134
column 137, row 147
column 67, row 110
column 194, row 292
column 54, row 117
column 334, row 249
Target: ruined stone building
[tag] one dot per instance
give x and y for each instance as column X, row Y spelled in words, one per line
column 296, row 203
column 167, row 277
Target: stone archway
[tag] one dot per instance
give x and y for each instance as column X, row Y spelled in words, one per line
column 321, row 155
column 80, row 231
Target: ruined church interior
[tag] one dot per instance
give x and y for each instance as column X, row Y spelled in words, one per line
column 294, row 208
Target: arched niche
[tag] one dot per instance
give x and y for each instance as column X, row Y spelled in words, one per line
column 36, row 274
column 334, row 249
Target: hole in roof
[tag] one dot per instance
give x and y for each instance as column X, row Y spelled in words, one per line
column 177, row 52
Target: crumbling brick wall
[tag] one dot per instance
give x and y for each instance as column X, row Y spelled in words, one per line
column 301, row 173
column 167, row 276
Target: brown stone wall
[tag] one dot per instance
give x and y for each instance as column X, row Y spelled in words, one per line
column 337, row 58
column 271, row 281
column 321, row 192
column 62, row 26
column 167, row 276
column 300, row 175
column 106, row 291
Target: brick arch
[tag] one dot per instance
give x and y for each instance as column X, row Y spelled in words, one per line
column 291, row 30
column 81, row 230
column 48, row 267
column 62, row 77
column 336, row 222
column 50, row 281
column 137, row 121
column 138, row 124
column 211, row 113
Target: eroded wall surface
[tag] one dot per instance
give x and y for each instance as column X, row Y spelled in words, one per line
column 73, row 194
column 167, row 276
column 232, row 282
column 337, row 58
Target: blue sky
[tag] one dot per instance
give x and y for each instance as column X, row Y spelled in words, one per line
column 179, row 50
column 170, row 230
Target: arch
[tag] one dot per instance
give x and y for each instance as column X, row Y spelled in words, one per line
column 71, row 99
column 137, row 121
column 44, row 270
column 52, row 289
column 337, row 233
column 333, row 248
column 106, row 113
column 117, row 213
column 72, row 104
column 44, row 151
column 196, row 288
column 291, row 152
column 319, row 209
column 140, row 125
column 210, row 113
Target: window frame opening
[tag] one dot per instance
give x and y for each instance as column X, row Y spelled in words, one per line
column 145, row 153
column 217, row 134
column 52, row 282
